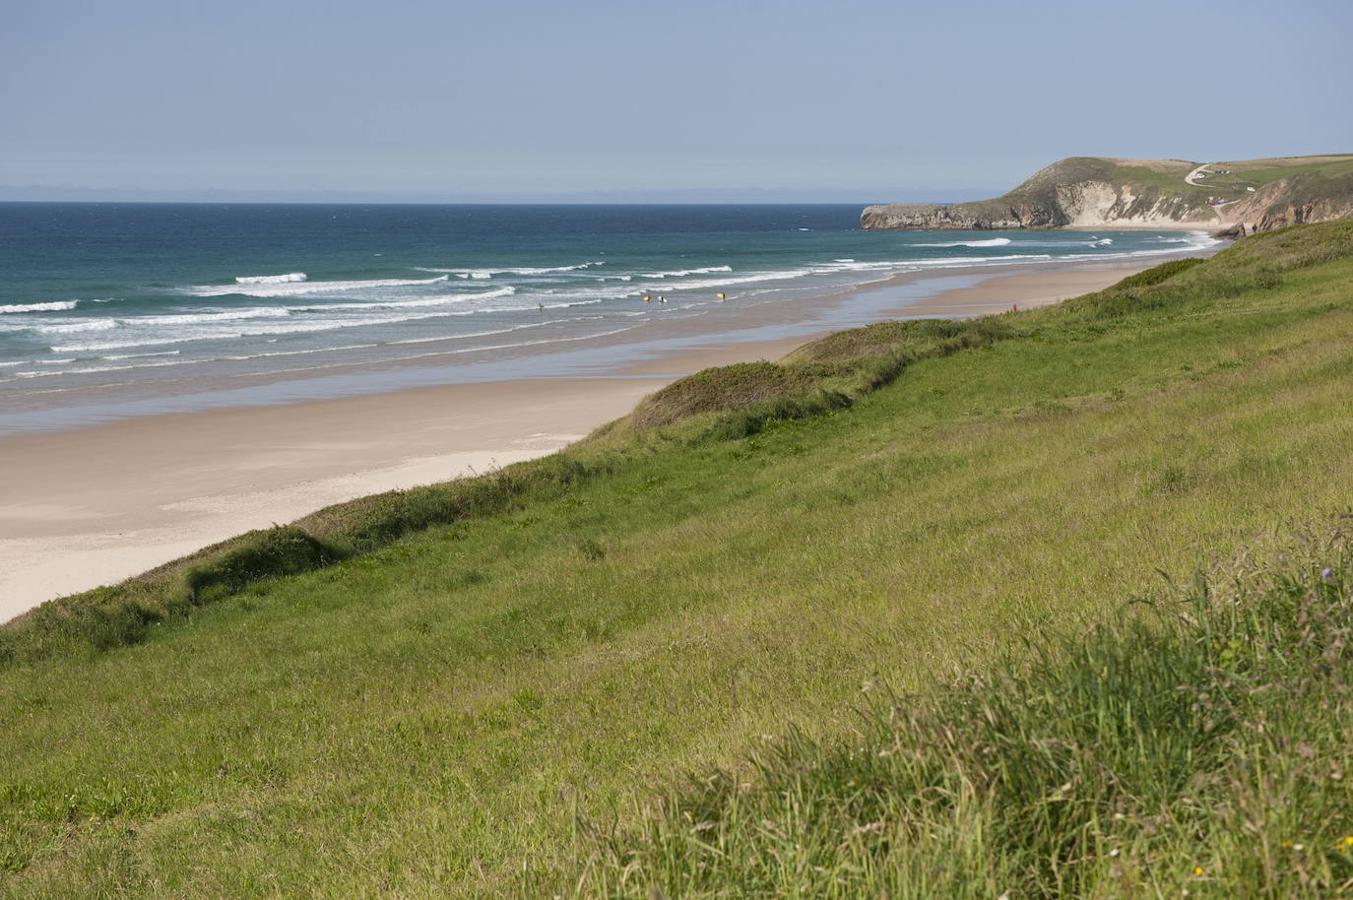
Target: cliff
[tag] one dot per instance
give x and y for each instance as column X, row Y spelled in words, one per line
column 1100, row 192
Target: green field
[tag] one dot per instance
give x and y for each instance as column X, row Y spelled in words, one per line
column 917, row 610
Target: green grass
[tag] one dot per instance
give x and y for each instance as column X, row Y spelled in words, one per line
column 1194, row 744
column 480, row 687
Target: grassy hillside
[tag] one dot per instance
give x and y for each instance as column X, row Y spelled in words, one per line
column 1194, row 744
column 485, row 687
column 1311, row 176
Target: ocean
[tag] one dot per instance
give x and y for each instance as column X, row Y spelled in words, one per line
column 123, row 309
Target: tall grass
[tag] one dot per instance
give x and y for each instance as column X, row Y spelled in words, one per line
column 1201, row 742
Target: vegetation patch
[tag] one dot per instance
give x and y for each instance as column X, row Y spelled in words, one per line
column 719, row 389
column 282, row 550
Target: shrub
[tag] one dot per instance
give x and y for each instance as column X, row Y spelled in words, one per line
column 281, row 550
column 718, row 389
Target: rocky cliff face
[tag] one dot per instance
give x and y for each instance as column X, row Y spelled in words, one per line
column 1086, row 203
column 1106, row 193
column 1286, row 203
column 958, row 217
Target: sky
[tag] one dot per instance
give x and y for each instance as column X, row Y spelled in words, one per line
column 688, row 100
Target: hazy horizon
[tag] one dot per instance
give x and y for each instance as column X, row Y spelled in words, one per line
column 13, row 194
column 742, row 102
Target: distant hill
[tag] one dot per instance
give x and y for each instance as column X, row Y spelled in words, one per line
column 1101, row 192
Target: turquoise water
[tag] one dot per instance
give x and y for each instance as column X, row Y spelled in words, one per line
column 108, row 305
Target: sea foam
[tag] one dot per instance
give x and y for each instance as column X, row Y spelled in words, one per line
column 287, row 289
column 289, row 278
column 681, row 273
column 517, row 270
column 989, row 242
column 53, row 306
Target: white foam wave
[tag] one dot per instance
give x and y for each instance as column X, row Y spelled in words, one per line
column 77, row 327
column 53, row 306
column 682, row 273
column 989, row 242
column 142, row 355
column 782, row 275
column 515, row 270
column 439, row 300
column 206, row 318
column 1102, row 242
column 306, row 287
column 289, row 278
column 248, row 329
column 91, row 370
column 312, row 350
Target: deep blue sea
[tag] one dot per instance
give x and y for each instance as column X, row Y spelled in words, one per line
column 172, row 297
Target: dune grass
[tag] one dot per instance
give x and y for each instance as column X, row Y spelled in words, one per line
column 479, row 687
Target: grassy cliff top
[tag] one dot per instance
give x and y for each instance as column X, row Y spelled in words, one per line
column 1090, row 190
column 1167, row 175
column 500, row 685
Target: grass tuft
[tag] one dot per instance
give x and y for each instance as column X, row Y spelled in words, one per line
column 280, row 550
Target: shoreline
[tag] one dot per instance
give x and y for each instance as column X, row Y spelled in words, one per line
column 162, row 486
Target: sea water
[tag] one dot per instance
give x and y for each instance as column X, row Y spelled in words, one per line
column 128, row 308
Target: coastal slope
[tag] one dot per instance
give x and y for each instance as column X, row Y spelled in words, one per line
column 749, row 639
column 1238, row 197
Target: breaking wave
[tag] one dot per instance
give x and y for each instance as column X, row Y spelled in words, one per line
column 989, row 242
column 289, row 278
column 517, row 270
column 53, row 306
column 287, row 289
column 681, row 273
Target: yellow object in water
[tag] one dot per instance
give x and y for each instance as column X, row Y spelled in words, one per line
column 722, row 296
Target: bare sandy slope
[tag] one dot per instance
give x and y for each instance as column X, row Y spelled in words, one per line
column 95, row 505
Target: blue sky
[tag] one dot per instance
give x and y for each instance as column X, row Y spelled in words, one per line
column 686, row 100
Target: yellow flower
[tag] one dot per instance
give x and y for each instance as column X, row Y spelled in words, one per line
column 1199, row 870
column 1348, row 841
column 1284, row 843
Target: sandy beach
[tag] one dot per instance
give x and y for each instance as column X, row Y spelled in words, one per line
column 94, row 505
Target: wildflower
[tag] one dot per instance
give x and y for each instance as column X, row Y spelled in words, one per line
column 1348, row 841
column 1199, row 871
column 1284, row 844
column 1327, row 573
column 1113, row 852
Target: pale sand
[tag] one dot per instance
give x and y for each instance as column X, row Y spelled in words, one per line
column 95, row 505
